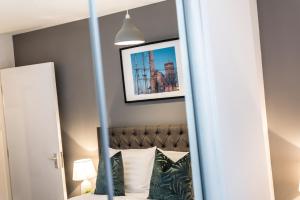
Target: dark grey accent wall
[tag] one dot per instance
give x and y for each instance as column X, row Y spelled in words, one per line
column 68, row 46
column 280, row 41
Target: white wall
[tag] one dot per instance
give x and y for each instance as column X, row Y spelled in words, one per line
column 280, row 30
column 6, row 51
column 6, row 60
column 230, row 100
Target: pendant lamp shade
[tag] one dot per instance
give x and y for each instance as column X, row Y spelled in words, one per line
column 129, row 34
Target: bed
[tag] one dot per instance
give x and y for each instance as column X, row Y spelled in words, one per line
column 165, row 137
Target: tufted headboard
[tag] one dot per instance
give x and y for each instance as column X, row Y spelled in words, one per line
column 166, row 137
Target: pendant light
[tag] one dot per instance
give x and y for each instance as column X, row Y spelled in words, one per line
column 129, row 34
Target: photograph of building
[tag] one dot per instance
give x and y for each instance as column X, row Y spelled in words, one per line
column 155, row 71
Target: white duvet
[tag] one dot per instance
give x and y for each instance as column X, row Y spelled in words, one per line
column 130, row 196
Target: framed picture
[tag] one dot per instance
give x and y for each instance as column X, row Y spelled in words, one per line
column 152, row 71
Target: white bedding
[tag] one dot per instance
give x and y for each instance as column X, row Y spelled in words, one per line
column 130, row 196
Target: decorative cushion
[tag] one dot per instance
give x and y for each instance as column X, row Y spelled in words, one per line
column 117, row 175
column 138, row 165
column 171, row 180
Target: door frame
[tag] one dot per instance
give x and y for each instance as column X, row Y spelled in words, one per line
column 4, row 154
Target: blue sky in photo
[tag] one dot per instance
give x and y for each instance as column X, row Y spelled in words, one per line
column 161, row 56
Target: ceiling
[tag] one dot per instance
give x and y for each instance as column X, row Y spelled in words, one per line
column 17, row 16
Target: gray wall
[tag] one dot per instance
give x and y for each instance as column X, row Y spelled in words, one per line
column 280, row 40
column 68, row 46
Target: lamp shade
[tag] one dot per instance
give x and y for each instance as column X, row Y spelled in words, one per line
column 83, row 169
column 129, row 34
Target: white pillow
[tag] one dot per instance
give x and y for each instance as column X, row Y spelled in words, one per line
column 174, row 155
column 138, row 166
column 112, row 152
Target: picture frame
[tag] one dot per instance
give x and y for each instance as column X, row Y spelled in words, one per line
column 152, row 71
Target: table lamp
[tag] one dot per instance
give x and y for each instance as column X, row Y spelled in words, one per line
column 83, row 170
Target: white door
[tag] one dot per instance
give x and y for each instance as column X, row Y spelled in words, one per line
column 33, row 132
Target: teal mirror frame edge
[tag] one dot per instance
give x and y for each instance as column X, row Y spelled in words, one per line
column 100, row 93
column 193, row 127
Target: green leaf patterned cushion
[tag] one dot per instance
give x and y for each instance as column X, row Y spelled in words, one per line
column 171, row 180
column 117, row 175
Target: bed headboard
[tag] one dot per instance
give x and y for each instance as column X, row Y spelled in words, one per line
column 166, row 137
